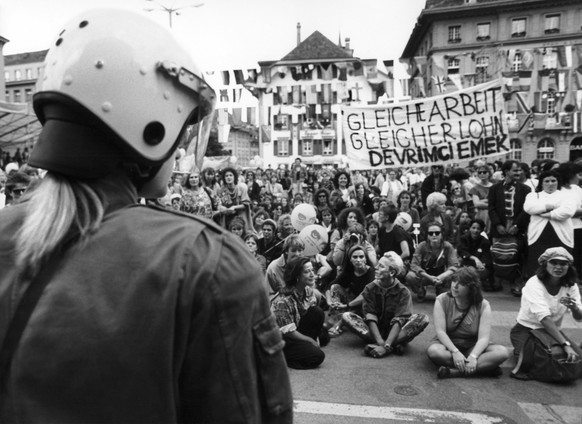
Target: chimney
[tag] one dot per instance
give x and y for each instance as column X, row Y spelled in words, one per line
column 298, row 33
column 347, row 46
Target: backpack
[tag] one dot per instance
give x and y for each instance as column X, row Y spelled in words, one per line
column 543, row 358
column 505, row 254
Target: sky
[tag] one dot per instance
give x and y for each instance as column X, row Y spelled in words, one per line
column 232, row 34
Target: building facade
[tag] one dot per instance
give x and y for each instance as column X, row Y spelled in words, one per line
column 300, row 99
column 21, row 71
column 533, row 46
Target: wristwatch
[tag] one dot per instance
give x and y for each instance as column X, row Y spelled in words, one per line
column 566, row 343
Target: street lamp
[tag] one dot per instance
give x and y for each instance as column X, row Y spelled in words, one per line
column 170, row 10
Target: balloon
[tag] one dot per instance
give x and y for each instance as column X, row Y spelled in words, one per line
column 252, row 162
column 314, row 237
column 404, row 220
column 233, row 159
column 302, row 215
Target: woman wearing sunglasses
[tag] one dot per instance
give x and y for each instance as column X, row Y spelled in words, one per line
column 434, row 260
column 546, row 298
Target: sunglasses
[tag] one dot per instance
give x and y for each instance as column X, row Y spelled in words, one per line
column 434, row 233
column 557, row 262
column 482, row 172
column 18, row 190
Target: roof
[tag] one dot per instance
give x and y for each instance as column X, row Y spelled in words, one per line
column 316, row 48
column 23, row 58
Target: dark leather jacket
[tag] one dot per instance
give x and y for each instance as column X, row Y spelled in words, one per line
column 159, row 318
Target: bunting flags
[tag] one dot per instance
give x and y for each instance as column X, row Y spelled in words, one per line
column 544, row 79
column 524, row 80
column 527, row 60
column 370, row 68
column 439, row 83
column 389, row 65
column 456, row 80
column 311, row 95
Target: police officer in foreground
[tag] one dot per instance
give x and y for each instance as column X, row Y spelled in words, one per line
column 111, row 311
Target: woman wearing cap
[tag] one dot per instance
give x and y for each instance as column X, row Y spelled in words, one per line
column 546, row 298
column 462, row 320
column 140, row 322
column 388, row 321
column 299, row 317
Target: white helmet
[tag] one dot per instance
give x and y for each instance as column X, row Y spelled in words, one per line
column 117, row 87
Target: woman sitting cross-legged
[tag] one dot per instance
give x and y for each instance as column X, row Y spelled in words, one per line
column 462, row 320
column 388, row 322
column 346, row 289
column 299, row 317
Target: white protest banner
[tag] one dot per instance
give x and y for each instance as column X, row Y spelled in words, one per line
column 448, row 128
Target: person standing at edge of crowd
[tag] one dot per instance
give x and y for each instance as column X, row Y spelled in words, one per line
column 507, row 217
column 148, row 315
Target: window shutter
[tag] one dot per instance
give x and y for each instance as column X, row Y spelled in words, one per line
column 334, row 146
column 300, row 147
column 276, row 147
column 317, row 147
column 290, row 147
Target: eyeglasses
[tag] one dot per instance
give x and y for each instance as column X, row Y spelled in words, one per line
column 18, row 190
column 434, row 233
column 557, row 262
column 483, row 172
column 322, row 196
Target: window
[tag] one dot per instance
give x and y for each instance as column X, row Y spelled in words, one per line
column 327, row 147
column 29, row 74
column 283, row 147
column 6, row 75
column 515, row 146
column 17, row 96
column 516, row 65
column 518, row 27
column 7, row 95
column 483, row 31
column 546, row 149
column 552, row 25
column 481, row 66
column 28, row 95
column 18, row 75
column 307, row 149
column 455, row 34
column 281, row 122
column 453, row 66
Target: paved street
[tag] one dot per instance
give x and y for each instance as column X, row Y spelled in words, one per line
column 352, row 388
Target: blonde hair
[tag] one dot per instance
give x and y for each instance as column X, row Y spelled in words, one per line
column 59, row 211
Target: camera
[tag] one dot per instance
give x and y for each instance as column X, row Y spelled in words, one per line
column 354, row 238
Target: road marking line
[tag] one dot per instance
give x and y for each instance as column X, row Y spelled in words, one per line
column 552, row 414
column 389, row 413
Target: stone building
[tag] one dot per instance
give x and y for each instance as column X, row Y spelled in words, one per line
column 533, row 46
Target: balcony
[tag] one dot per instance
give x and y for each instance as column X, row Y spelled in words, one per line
column 552, row 31
column 454, row 40
column 483, row 38
column 518, row 34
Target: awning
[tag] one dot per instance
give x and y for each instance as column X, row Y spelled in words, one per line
column 18, row 124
